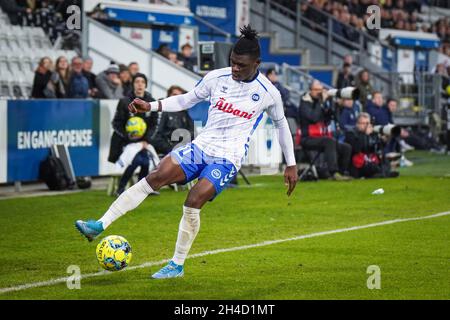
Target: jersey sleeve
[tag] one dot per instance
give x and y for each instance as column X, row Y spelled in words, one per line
column 276, row 113
column 203, row 88
column 185, row 101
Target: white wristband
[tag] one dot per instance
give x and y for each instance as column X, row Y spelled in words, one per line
column 155, row 106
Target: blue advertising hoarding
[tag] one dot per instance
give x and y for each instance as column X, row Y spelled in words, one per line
column 34, row 125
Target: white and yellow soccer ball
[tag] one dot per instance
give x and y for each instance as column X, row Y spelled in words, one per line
column 114, row 253
column 135, row 128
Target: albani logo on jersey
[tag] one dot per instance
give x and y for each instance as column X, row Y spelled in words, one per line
column 228, row 108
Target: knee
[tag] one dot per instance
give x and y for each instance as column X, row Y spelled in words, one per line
column 194, row 201
column 156, row 179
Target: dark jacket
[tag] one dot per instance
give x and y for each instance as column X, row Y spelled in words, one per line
column 311, row 112
column 361, row 142
column 90, row 78
column 119, row 137
column 347, row 118
column 380, row 115
column 12, row 9
column 40, row 87
column 171, row 121
column 345, row 81
column 78, row 86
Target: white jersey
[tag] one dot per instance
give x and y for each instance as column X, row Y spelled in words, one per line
column 235, row 111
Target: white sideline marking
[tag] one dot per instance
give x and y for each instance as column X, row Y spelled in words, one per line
column 206, row 253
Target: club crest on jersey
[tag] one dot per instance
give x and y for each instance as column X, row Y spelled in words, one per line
column 255, row 97
column 216, row 174
column 227, row 107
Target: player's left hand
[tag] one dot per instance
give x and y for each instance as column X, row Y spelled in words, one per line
column 290, row 178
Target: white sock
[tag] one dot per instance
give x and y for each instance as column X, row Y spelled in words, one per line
column 188, row 229
column 127, row 201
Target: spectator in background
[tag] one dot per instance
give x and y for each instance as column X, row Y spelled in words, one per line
column 108, row 83
column 133, row 67
column 42, row 87
column 13, row 9
column 163, row 50
column 289, row 110
column 366, row 145
column 120, row 137
column 163, row 139
column 78, row 84
column 314, row 117
column 125, row 78
column 90, row 76
column 380, row 114
column 349, row 114
column 60, row 77
column 185, row 56
column 173, row 57
column 345, row 77
column 365, row 88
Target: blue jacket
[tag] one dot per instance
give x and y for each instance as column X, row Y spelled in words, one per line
column 78, row 86
column 380, row 116
column 347, row 118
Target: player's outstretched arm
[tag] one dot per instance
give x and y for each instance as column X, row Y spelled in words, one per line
column 171, row 104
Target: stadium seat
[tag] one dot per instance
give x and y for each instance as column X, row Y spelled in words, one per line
column 5, row 90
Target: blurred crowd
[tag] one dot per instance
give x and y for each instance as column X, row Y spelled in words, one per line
column 50, row 15
column 399, row 14
column 75, row 80
column 346, row 138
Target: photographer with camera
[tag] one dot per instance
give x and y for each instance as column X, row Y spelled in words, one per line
column 367, row 150
column 315, row 115
column 382, row 116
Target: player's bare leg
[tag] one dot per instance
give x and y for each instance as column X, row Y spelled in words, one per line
column 167, row 172
column 189, row 226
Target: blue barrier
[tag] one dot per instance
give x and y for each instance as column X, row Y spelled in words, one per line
column 34, row 125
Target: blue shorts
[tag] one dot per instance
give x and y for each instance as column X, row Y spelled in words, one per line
column 196, row 164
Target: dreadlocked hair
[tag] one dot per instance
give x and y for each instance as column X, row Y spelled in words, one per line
column 248, row 42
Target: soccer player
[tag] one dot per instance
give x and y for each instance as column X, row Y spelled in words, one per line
column 239, row 95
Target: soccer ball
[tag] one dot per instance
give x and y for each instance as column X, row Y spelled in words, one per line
column 135, row 127
column 113, row 253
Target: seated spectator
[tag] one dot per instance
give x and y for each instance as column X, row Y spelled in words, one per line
column 364, row 86
column 367, row 160
column 345, row 77
column 90, row 76
column 60, row 77
column 42, row 87
column 349, row 114
column 78, row 84
column 120, row 138
column 133, row 67
column 314, row 118
column 125, row 79
column 164, row 139
column 289, row 109
column 380, row 114
column 108, row 83
column 185, row 56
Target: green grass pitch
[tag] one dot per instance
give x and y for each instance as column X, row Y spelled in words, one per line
column 39, row 241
